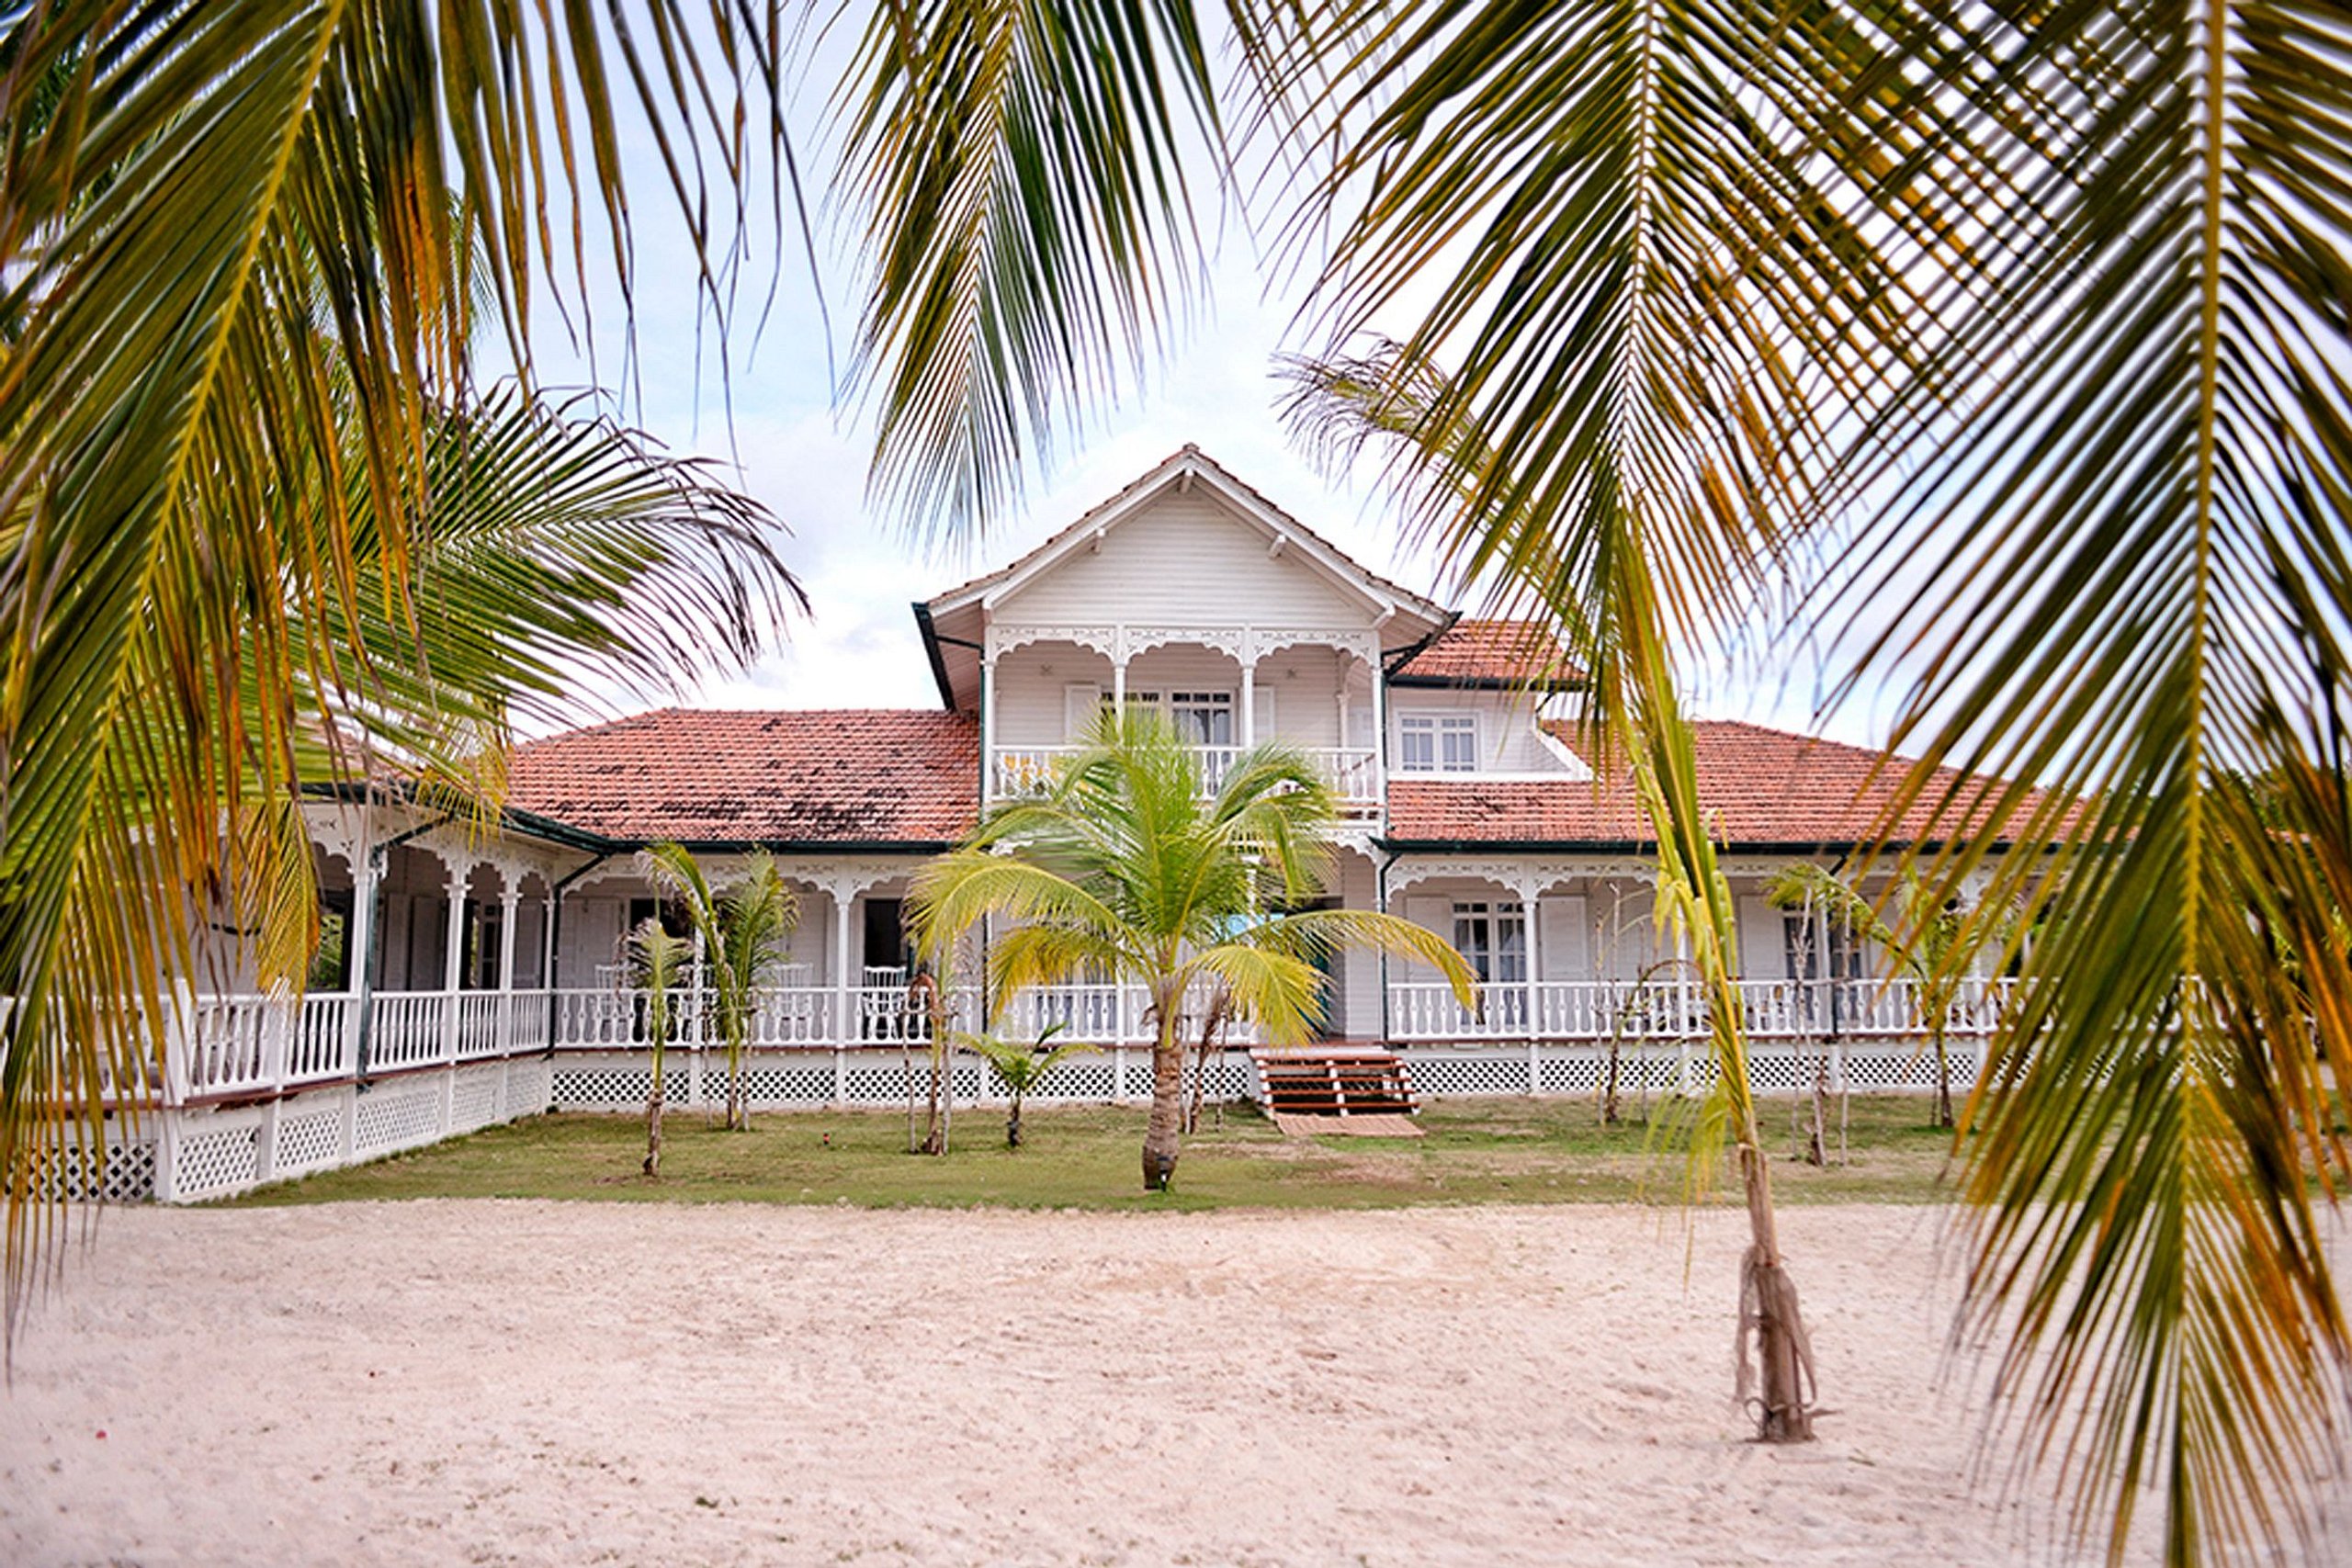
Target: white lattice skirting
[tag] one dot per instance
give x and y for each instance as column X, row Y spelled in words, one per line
column 783, row 1079
column 606, row 1080
column 191, row 1155
column 214, row 1152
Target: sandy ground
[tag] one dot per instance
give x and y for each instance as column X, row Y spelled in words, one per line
column 546, row 1383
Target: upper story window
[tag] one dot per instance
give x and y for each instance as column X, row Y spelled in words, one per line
column 1204, row 719
column 1201, row 718
column 1437, row 743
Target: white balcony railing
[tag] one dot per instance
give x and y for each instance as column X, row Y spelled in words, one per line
column 1353, row 773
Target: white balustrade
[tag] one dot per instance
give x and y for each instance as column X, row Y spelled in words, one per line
column 1353, row 773
column 247, row 1045
column 235, row 1044
column 1676, row 1008
column 1026, row 770
column 407, row 1029
column 322, row 1039
column 1088, row 1014
column 1429, row 1011
column 794, row 1015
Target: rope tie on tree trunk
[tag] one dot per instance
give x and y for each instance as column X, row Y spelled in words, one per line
column 1769, row 1319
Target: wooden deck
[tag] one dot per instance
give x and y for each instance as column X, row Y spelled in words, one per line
column 1357, row 1089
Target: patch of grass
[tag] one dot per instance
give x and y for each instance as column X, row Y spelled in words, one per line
column 1475, row 1150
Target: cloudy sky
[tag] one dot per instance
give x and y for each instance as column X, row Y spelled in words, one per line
column 780, row 431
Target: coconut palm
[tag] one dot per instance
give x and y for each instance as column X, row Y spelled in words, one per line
column 742, row 925
column 245, row 249
column 1130, row 868
column 659, row 964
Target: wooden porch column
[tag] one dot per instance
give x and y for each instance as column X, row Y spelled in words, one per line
column 454, row 960
column 987, row 727
column 367, row 875
column 1119, row 687
column 1249, row 703
column 1532, row 903
column 508, row 907
column 844, row 995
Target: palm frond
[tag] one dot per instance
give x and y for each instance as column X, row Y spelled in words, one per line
column 2146, row 613
column 238, row 266
column 1022, row 166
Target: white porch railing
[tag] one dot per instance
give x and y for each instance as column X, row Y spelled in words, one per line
column 827, row 1018
column 240, row 1045
column 1353, row 773
column 1604, row 1009
column 248, row 1043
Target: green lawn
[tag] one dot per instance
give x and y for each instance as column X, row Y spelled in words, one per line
column 1481, row 1151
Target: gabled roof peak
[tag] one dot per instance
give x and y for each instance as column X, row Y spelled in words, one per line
column 1247, row 502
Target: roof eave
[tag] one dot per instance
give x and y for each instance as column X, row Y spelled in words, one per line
column 931, row 652
column 1488, row 684
column 1649, row 846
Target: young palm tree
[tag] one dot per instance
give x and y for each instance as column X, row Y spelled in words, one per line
column 1933, row 940
column 657, row 964
column 1022, row 1067
column 743, row 926
column 1130, row 868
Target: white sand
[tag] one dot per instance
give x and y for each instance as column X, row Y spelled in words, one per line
column 546, row 1384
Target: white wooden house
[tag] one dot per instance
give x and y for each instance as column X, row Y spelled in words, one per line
column 482, row 975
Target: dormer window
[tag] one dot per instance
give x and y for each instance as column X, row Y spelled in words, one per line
column 1437, row 743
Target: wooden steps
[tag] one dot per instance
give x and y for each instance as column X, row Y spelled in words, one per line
column 1351, row 1089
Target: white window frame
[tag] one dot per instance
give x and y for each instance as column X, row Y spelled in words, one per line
column 1480, row 928
column 1452, row 739
column 1204, row 701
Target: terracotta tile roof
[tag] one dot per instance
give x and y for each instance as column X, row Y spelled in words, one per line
column 1761, row 786
column 1492, row 653
column 862, row 776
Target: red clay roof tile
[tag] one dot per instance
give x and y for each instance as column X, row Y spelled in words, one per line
column 1487, row 653
column 862, row 776
column 1759, row 786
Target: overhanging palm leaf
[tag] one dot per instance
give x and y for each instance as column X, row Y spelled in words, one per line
column 238, row 242
column 2149, row 611
column 1024, row 162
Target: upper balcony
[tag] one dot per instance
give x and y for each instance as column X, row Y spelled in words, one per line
column 1225, row 689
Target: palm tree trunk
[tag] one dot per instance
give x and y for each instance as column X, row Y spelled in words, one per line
column 1160, row 1139
column 653, row 1129
column 1943, row 1078
column 1768, row 1315
column 739, row 1118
